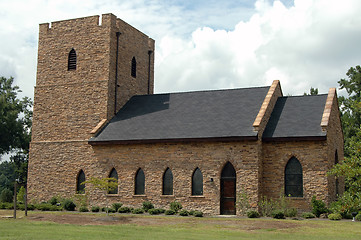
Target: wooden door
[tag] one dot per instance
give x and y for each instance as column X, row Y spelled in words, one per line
column 228, row 190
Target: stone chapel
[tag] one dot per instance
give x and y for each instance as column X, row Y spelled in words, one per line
column 95, row 115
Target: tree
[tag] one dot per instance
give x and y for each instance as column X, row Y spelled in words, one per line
column 351, row 107
column 15, row 129
column 15, row 118
column 350, row 168
column 313, row 91
column 104, row 184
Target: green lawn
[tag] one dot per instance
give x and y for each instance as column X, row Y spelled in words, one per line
column 183, row 228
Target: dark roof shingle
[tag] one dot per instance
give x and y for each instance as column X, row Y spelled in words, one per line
column 190, row 115
column 296, row 116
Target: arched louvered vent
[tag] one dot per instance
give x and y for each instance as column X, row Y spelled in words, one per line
column 134, row 68
column 72, row 60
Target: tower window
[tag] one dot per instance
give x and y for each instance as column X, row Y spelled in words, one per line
column 72, row 60
column 134, row 67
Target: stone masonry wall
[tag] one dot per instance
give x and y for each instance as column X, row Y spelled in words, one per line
column 68, row 105
column 182, row 158
column 313, row 157
column 334, row 143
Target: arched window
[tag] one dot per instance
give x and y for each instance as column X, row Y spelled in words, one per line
column 293, row 178
column 114, row 174
column 168, row 182
column 80, row 188
column 337, row 183
column 134, row 67
column 139, row 182
column 72, row 60
column 197, row 183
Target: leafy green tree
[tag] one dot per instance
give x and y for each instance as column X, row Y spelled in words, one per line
column 313, row 91
column 104, row 184
column 15, row 129
column 15, row 118
column 350, row 169
column 351, row 107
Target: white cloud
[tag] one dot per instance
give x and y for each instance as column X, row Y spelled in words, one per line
column 208, row 45
column 312, row 43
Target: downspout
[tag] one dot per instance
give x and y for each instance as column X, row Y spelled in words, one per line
column 116, row 75
column 149, row 61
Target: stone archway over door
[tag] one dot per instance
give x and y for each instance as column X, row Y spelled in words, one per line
column 228, row 190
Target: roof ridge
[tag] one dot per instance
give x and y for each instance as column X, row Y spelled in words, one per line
column 323, row 94
column 203, row 91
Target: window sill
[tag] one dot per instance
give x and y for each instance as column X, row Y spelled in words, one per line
column 296, row 198
column 139, row 195
column 112, row 195
column 167, row 196
column 197, row 196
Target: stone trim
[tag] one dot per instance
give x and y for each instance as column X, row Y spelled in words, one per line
column 265, row 105
column 100, row 125
column 60, row 141
column 200, row 196
column 328, row 106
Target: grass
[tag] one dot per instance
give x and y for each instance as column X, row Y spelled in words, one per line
column 192, row 228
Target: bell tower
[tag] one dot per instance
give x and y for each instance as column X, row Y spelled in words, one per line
column 87, row 70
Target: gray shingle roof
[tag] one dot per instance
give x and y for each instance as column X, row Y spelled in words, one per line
column 190, row 115
column 296, row 116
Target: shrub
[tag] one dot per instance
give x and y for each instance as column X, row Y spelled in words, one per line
column 47, row 207
column 346, row 215
column 169, row 212
column 95, row 209
column 53, row 201
column 153, row 211
column 83, row 209
column 161, row 210
column 123, row 210
column 6, row 205
column 308, row 215
column 69, row 205
column 104, row 209
column 335, row 216
column 252, row 214
column 147, row 205
column 6, row 195
column 191, row 212
column 290, row 212
column 116, row 206
column 32, row 207
column 318, row 207
column 111, row 210
column 358, row 217
column 184, row 213
column 267, row 206
column 20, row 195
column 198, row 214
column 138, row 211
column 243, row 202
column 278, row 214
column 175, row 206
column 346, row 204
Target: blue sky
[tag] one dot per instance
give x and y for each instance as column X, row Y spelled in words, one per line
column 207, row 44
